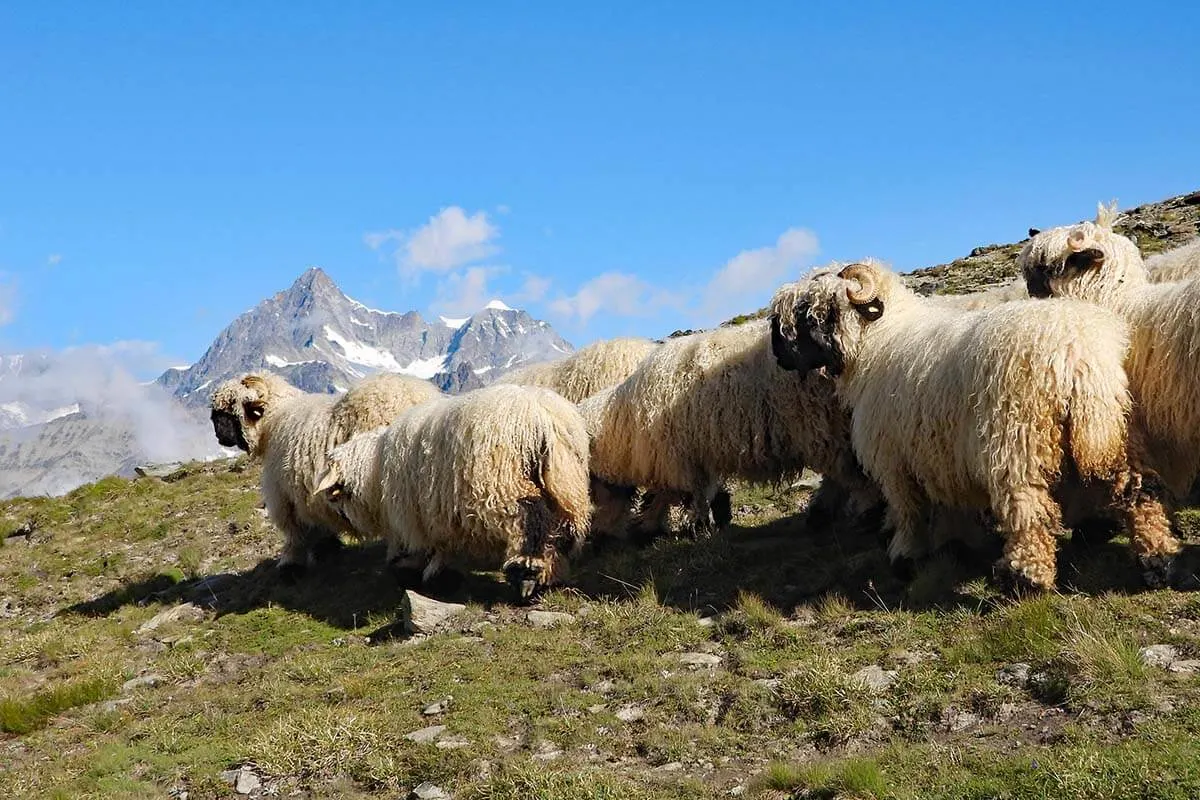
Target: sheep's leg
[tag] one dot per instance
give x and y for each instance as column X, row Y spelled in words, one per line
column 293, row 561
column 534, row 557
column 406, row 566
column 905, row 512
column 1149, row 526
column 1029, row 518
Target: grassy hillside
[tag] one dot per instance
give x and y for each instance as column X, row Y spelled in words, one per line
column 146, row 648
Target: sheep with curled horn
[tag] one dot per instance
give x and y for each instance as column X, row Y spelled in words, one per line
column 994, row 410
column 497, row 477
column 1092, row 262
column 290, row 431
column 713, row 406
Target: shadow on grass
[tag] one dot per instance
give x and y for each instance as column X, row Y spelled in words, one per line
column 342, row 590
column 781, row 562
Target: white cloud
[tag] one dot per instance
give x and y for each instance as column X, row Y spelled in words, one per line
column 54, row 259
column 465, row 292
column 533, row 289
column 616, row 293
column 449, row 240
column 750, row 274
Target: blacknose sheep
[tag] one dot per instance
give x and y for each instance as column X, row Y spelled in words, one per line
column 992, row 409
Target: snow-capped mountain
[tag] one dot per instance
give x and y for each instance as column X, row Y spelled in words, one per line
column 323, row 341
column 74, row 416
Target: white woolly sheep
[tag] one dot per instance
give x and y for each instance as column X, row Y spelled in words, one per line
column 1091, row 262
column 1179, row 263
column 290, row 431
column 709, row 407
column 498, row 476
column 586, row 371
column 993, row 409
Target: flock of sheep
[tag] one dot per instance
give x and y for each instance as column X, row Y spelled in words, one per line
column 1064, row 398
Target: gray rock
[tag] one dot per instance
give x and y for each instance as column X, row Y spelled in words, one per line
column 426, row 735
column 184, row 612
column 422, row 614
column 672, row 766
column 769, row 683
column 247, row 782
column 158, row 470
column 875, row 677
column 706, row 622
column 436, row 708
column 428, row 791
column 605, row 687
column 549, row 619
column 957, row 720
column 1014, row 675
column 148, row 681
column 700, row 660
column 1159, row 655
column 630, row 713
column 452, row 743
column 243, row 780
column 1185, row 666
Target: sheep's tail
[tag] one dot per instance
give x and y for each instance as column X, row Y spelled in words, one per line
column 562, row 474
column 1099, row 426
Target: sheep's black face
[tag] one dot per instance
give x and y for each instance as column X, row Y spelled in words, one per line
column 1038, row 276
column 813, row 347
column 228, row 429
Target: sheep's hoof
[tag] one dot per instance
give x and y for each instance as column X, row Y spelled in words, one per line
column 904, row 569
column 324, row 548
column 1158, row 572
column 1014, row 582
column 290, row 572
column 526, row 575
column 404, row 573
column 722, row 509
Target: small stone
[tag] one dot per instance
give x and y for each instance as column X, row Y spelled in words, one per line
column 875, row 677
column 179, row 613
column 436, row 708
column 452, row 743
column 673, row 766
column 738, row 790
column 605, row 687
column 549, row 619
column 596, row 709
column 769, row 683
column 506, row 743
column 143, row 680
column 1159, row 655
column 956, row 720
column 700, row 660
column 1185, row 666
column 1014, row 675
column 547, row 751
column 247, row 782
column 422, row 614
column 426, row 735
column 109, row 706
column 630, row 713
column 429, row 791
column 706, row 622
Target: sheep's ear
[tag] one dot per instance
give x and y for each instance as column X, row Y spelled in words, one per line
column 1034, row 232
column 255, row 410
column 329, row 483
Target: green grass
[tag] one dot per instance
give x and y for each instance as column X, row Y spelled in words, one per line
column 21, row 715
column 282, row 677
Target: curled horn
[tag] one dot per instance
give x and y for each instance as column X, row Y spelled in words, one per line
column 866, row 280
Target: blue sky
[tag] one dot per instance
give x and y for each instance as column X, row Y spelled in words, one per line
column 616, row 168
